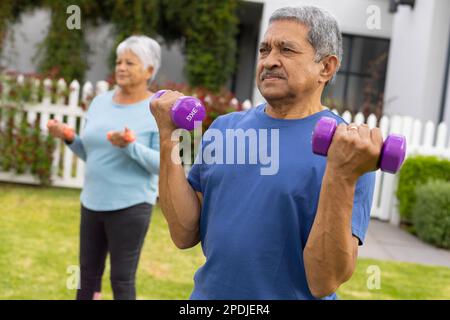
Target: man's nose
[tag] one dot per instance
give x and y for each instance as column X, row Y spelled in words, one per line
column 272, row 60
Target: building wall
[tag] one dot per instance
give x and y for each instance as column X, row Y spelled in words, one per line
column 19, row 51
column 447, row 100
column 417, row 59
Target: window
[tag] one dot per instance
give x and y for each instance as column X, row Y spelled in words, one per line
column 359, row 83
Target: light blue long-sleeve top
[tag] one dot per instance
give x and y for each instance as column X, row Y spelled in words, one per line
column 117, row 178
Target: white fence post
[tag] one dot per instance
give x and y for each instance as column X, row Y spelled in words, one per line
column 429, row 136
column 441, row 136
column 387, row 206
column 234, row 102
column 347, row 116
column 414, row 143
column 47, row 92
column 36, row 84
column 359, row 118
column 372, row 121
column 61, row 92
column 74, row 94
column 246, row 105
column 87, row 93
column 376, row 210
column 101, row 87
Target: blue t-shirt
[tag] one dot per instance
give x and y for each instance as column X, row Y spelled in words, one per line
column 254, row 224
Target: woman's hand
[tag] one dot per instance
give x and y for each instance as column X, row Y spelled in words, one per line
column 60, row 130
column 121, row 139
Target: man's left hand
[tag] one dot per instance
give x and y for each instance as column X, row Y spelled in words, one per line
column 354, row 150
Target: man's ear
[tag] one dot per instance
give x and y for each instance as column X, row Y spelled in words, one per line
column 329, row 66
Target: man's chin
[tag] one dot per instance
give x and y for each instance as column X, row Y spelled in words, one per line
column 273, row 95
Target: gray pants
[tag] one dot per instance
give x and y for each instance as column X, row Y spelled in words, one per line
column 121, row 233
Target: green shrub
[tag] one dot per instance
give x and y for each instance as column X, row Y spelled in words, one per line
column 23, row 146
column 418, row 170
column 431, row 213
column 207, row 29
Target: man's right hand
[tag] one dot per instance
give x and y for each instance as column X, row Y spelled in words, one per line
column 60, row 130
column 161, row 109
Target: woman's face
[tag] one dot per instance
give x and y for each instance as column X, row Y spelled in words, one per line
column 130, row 71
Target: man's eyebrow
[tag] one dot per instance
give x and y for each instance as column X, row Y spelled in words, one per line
column 280, row 43
column 287, row 43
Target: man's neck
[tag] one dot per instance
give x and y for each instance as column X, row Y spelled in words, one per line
column 293, row 110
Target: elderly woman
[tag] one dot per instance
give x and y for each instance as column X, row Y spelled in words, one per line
column 120, row 145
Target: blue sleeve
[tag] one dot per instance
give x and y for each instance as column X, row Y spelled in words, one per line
column 146, row 157
column 362, row 204
column 77, row 147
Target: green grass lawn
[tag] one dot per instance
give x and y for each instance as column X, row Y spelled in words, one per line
column 39, row 242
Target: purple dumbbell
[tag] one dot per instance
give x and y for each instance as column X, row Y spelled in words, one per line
column 187, row 112
column 392, row 152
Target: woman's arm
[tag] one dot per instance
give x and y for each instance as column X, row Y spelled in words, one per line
column 76, row 145
column 68, row 135
column 146, row 157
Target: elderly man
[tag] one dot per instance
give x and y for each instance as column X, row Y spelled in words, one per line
column 292, row 233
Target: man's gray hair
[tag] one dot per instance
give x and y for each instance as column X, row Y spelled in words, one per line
column 147, row 50
column 324, row 34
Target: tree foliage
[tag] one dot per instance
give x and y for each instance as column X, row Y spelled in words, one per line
column 206, row 28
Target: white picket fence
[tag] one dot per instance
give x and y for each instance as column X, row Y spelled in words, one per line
column 420, row 140
column 68, row 170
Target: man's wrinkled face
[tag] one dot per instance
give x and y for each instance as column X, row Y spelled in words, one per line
column 286, row 66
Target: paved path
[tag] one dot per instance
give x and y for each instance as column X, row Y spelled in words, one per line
column 387, row 242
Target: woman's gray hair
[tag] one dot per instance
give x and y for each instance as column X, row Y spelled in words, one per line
column 324, row 34
column 147, row 49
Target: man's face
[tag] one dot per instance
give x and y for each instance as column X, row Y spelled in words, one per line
column 286, row 67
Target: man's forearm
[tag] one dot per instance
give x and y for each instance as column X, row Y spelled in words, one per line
column 330, row 252
column 179, row 203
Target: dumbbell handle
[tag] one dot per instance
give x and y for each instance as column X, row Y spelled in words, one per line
column 391, row 156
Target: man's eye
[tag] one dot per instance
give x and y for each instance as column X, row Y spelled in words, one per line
column 286, row 50
column 263, row 50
